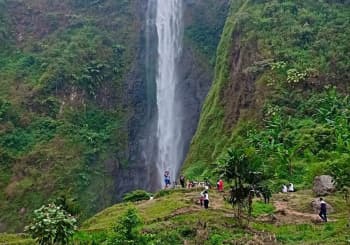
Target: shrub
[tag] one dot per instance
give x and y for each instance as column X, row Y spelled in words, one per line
column 51, row 225
column 137, row 195
column 127, row 229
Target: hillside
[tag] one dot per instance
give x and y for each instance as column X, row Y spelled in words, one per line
column 62, row 109
column 75, row 99
column 280, row 92
column 176, row 218
column 267, row 81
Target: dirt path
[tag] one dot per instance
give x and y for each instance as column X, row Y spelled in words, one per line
column 286, row 215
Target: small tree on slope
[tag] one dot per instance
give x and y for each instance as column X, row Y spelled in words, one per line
column 51, row 225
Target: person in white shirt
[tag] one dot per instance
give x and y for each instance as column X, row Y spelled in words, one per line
column 284, row 188
column 291, row 187
column 206, row 199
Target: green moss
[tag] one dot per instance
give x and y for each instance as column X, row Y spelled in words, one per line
column 295, row 33
column 210, row 138
column 55, row 129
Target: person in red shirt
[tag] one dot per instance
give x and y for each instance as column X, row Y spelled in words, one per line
column 221, row 185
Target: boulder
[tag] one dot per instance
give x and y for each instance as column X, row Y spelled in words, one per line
column 323, row 185
column 315, row 204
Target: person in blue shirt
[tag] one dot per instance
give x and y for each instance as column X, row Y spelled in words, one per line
column 167, row 179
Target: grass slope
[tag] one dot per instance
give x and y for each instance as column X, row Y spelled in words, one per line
column 177, row 217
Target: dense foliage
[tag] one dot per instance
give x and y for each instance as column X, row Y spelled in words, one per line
column 297, row 122
column 61, row 110
column 52, row 225
column 126, row 230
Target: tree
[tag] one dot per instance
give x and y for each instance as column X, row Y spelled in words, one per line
column 126, row 230
column 238, row 167
column 51, row 225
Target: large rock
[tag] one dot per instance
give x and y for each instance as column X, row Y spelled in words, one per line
column 316, row 206
column 323, row 185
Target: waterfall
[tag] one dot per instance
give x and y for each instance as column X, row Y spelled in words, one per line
column 169, row 28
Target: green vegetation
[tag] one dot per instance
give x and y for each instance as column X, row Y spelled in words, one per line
column 61, row 111
column 331, row 233
column 51, row 225
column 177, row 217
column 278, row 105
column 218, row 223
column 137, row 195
column 126, row 230
column 298, row 121
column 204, row 33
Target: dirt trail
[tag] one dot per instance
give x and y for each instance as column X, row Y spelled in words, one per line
column 285, row 208
column 286, row 215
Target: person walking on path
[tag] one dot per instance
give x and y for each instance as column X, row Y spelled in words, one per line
column 206, row 199
column 323, row 210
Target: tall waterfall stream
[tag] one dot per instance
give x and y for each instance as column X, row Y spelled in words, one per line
column 169, row 28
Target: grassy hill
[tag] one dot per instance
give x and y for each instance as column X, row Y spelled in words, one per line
column 176, row 217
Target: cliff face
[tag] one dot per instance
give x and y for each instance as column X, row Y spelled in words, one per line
column 65, row 71
column 75, row 99
column 273, row 59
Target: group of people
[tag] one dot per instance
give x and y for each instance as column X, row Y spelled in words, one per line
column 188, row 183
column 288, row 188
column 204, row 195
column 167, row 180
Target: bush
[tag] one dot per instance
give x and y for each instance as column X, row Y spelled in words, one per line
column 93, row 238
column 137, row 195
column 127, row 230
column 51, row 225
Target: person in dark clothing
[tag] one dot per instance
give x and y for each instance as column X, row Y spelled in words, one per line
column 182, row 181
column 323, row 210
column 266, row 193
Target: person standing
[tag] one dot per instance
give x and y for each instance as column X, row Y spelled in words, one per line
column 323, row 210
column 290, row 187
column 206, row 199
column 167, row 179
column 182, row 181
column 221, row 185
column 266, row 193
column 201, row 198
